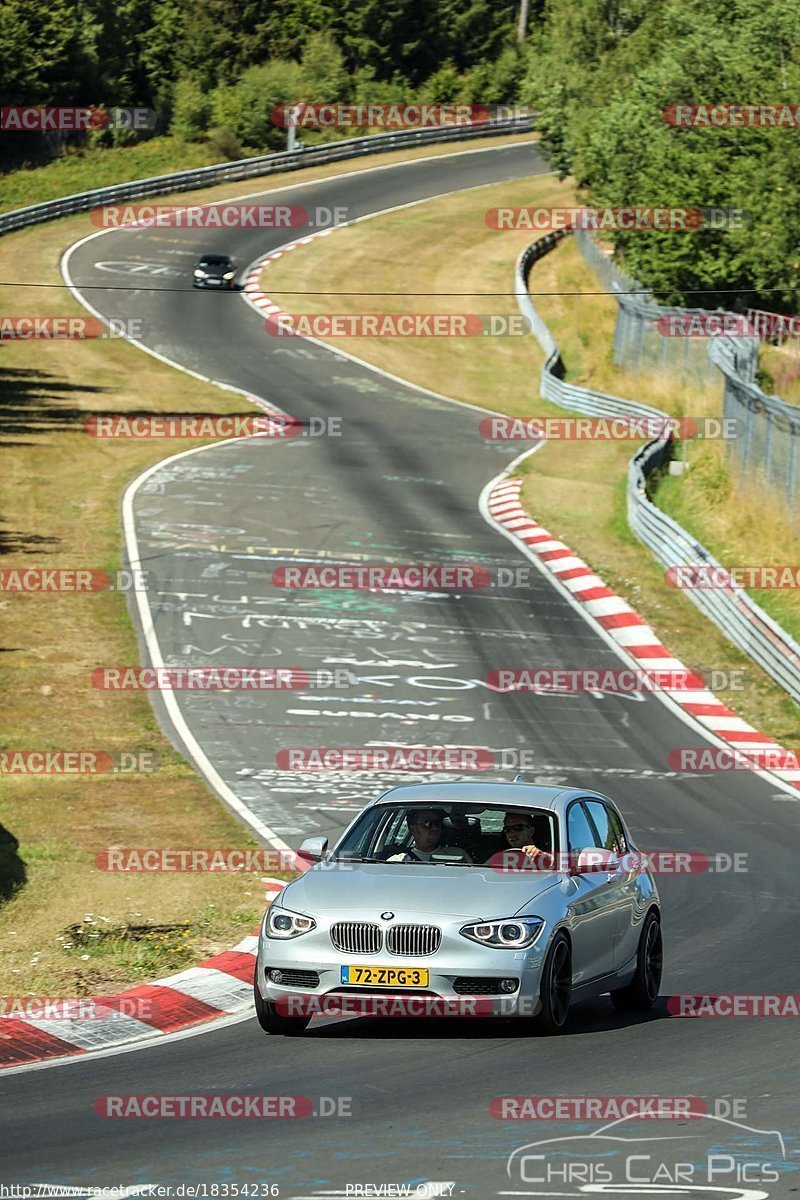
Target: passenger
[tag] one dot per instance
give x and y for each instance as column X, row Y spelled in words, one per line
column 425, row 827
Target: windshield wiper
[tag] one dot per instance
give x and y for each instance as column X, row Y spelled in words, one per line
column 453, row 863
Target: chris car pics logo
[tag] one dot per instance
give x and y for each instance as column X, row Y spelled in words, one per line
column 714, row 1156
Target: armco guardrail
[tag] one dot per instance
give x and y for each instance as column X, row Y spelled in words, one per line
column 251, row 168
column 736, row 614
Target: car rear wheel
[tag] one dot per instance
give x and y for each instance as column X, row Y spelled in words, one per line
column 642, row 991
column 555, row 990
column 271, row 1021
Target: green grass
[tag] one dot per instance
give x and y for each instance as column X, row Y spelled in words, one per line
column 144, row 949
column 82, row 170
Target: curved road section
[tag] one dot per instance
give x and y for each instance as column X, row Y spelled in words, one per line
column 410, row 1104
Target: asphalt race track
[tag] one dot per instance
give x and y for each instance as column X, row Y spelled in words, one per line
column 402, row 484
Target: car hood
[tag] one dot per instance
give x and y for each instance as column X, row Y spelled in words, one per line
column 370, row 888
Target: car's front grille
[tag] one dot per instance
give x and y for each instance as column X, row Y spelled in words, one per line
column 308, row 979
column 356, row 937
column 469, row 985
column 413, row 941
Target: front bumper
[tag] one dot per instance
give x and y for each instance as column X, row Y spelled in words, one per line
column 214, row 284
column 461, row 982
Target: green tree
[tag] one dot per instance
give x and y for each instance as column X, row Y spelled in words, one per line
column 326, row 78
column 192, row 106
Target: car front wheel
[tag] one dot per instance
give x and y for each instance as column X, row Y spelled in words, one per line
column 642, row 991
column 555, row 990
column 271, row 1021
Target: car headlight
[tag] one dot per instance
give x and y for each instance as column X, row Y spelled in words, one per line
column 509, row 933
column 282, row 923
column 198, row 274
column 229, row 275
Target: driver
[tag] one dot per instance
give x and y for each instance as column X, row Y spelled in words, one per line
column 425, row 826
column 518, row 828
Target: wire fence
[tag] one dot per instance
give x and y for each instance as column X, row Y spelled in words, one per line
column 738, row 616
column 767, row 441
column 639, row 344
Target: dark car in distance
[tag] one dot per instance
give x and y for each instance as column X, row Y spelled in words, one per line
column 214, row 271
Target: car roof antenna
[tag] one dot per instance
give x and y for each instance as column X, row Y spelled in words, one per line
column 518, row 778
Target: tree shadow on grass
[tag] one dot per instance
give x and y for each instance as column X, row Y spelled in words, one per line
column 12, row 868
column 31, row 403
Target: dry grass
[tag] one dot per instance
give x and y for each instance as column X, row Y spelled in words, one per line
column 59, row 507
column 741, row 519
column 461, row 256
column 782, row 365
column 502, row 374
column 59, row 501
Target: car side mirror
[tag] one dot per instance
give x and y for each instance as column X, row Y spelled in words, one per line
column 313, row 848
column 594, row 859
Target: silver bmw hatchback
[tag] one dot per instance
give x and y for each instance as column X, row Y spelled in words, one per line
column 473, row 899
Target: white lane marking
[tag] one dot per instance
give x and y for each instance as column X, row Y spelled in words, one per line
column 256, row 265
column 180, row 724
column 200, row 759
column 629, row 659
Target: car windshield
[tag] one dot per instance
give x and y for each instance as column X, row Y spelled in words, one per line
column 447, row 834
column 214, row 260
